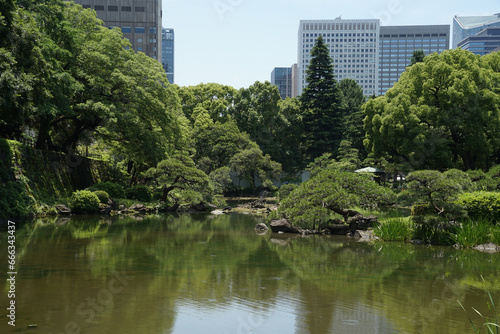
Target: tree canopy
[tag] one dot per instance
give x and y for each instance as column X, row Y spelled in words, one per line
column 442, row 113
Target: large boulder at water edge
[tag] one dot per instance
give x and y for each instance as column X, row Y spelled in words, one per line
column 283, row 225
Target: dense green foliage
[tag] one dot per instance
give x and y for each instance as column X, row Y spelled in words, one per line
column 321, row 105
column 331, row 192
column 481, row 204
column 177, row 175
column 442, row 113
column 139, row 192
column 438, row 190
column 84, row 201
column 112, row 189
column 14, row 202
column 102, row 195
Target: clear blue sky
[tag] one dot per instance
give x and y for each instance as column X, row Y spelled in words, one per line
column 238, row 42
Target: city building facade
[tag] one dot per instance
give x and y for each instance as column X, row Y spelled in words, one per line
column 353, row 46
column 139, row 21
column 282, row 78
column 465, row 26
column 167, row 58
column 486, row 41
column 397, row 44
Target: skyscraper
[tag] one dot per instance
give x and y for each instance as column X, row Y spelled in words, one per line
column 282, row 77
column 167, row 60
column 139, row 21
column 484, row 42
column 465, row 26
column 397, row 44
column 353, row 46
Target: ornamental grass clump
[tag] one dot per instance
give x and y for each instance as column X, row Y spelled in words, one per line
column 394, row 229
column 473, row 232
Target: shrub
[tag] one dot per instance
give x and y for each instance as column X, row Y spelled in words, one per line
column 114, row 190
column 84, row 201
column 139, row 193
column 420, row 209
column 285, row 190
column 433, row 230
column 102, row 195
column 481, row 204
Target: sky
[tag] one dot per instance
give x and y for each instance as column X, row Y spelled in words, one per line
column 239, row 42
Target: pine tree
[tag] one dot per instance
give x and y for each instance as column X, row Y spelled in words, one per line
column 321, row 105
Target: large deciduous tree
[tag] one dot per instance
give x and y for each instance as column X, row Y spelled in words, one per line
column 321, row 105
column 442, row 113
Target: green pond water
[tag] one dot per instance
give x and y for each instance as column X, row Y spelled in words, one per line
column 214, row 274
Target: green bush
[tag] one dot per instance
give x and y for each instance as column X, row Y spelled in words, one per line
column 420, row 209
column 102, row 195
column 139, row 193
column 433, row 230
column 285, row 190
column 114, row 190
column 481, row 204
column 84, row 201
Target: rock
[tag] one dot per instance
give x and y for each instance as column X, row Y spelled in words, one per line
column 338, row 229
column 283, row 225
column 104, row 209
column 360, row 222
column 488, row 248
column 141, row 208
column 261, row 228
column 63, row 209
column 417, row 242
column 203, row 207
column 365, row 236
column 217, row 212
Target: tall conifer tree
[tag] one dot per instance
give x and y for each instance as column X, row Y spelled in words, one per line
column 321, row 105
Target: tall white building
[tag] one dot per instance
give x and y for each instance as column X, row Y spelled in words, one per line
column 354, row 49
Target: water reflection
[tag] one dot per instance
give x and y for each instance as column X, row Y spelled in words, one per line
column 213, row 274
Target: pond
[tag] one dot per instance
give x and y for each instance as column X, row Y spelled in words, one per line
column 214, row 274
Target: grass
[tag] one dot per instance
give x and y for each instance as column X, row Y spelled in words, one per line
column 492, row 325
column 394, row 229
column 475, row 232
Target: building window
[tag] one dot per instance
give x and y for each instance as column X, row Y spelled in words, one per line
column 86, row 6
column 98, row 7
column 139, row 9
column 139, row 48
column 126, row 9
column 140, row 30
column 152, row 30
column 113, row 8
column 139, row 40
column 126, row 30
